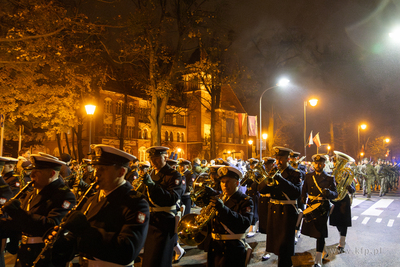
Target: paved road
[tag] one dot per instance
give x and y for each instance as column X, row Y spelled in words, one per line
column 372, row 241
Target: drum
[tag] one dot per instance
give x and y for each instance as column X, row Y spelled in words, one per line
column 313, row 212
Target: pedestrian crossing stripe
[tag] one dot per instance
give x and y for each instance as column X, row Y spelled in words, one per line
column 354, row 218
column 390, row 223
column 398, row 216
column 365, row 221
column 378, row 220
column 377, row 208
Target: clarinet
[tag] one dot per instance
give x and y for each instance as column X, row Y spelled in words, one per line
column 20, row 194
column 43, row 256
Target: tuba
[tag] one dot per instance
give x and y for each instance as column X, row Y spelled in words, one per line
column 193, row 228
column 343, row 176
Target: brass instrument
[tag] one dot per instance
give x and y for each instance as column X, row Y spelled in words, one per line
column 20, row 194
column 45, row 254
column 343, row 176
column 137, row 183
column 269, row 177
column 193, row 228
column 297, row 162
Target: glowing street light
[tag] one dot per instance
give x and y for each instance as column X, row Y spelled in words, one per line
column 313, row 102
column 395, row 35
column 282, row 82
column 387, row 140
column 362, row 127
column 250, row 142
column 90, row 111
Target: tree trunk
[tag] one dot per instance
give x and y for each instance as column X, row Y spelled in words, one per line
column 67, row 141
column 58, row 137
column 123, row 122
column 73, row 143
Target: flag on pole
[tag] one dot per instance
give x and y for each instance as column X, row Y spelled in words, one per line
column 310, row 140
column 252, row 121
column 316, row 140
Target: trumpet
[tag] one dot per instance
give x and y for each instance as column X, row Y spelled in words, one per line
column 139, row 181
column 45, row 254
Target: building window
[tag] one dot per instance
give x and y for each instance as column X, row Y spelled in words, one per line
column 145, row 134
column 107, row 105
column 182, row 137
column 171, row 137
column 166, row 136
column 180, row 120
column 107, row 129
column 118, row 130
column 178, row 137
column 169, row 119
column 130, row 132
column 120, row 106
column 131, row 109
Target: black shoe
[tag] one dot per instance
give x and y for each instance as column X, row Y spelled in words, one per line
column 180, row 257
column 340, row 249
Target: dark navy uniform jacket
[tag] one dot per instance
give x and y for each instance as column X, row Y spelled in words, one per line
column 119, row 224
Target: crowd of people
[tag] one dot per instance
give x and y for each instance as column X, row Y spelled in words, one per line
column 112, row 210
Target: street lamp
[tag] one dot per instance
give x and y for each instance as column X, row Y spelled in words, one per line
column 313, row 102
column 362, row 127
column 265, row 136
column 395, row 35
column 282, row 82
column 250, row 148
column 90, row 111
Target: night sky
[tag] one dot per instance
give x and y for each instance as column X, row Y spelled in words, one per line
column 337, row 51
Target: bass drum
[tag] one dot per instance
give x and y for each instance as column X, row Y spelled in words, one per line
column 313, row 212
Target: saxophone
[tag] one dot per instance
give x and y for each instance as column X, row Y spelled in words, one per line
column 343, row 176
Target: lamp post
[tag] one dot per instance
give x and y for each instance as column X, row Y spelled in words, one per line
column 264, row 137
column 313, row 102
column 90, row 111
column 363, row 127
column 282, row 82
column 250, row 148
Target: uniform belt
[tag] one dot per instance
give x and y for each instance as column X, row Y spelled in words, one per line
column 187, row 194
column 282, row 202
column 165, row 209
column 31, row 240
column 265, row 195
column 217, row 236
column 99, row 263
column 316, row 198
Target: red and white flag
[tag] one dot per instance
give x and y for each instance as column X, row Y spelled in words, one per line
column 310, row 140
column 316, row 140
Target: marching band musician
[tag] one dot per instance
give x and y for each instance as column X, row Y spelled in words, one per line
column 234, row 212
column 319, row 188
column 9, row 176
column 110, row 228
column 282, row 208
column 5, row 195
column 188, row 178
column 252, row 191
column 263, row 206
column 41, row 210
column 163, row 191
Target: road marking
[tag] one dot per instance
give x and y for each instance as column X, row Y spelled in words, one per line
column 376, row 209
column 366, row 219
column 354, row 218
column 398, row 216
column 390, row 223
column 357, row 201
column 378, row 220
